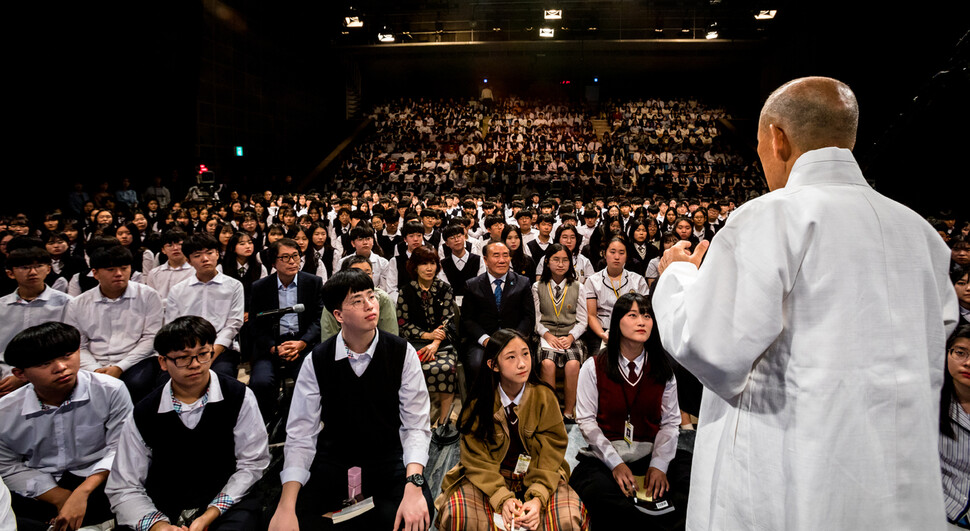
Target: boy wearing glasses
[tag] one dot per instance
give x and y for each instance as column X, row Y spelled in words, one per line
column 192, row 449
column 58, row 433
column 213, row 296
column 280, row 342
column 32, row 303
column 367, row 388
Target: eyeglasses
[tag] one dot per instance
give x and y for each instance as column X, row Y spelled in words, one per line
column 358, row 302
column 288, row 258
column 28, row 268
column 184, row 361
column 959, row 354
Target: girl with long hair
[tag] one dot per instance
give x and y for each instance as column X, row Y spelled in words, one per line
column 513, row 448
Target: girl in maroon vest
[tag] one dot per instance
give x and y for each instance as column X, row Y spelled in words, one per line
column 627, row 410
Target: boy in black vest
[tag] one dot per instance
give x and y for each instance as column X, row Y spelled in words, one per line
column 367, row 388
column 193, row 448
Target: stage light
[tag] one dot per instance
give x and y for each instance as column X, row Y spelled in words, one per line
column 766, row 14
column 239, row 151
column 685, row 28
column 712, row 31
column 485, row 80
column 385, row 35
column 552, row 14
column 353, row 22
column 596, row 80
column 546, row 32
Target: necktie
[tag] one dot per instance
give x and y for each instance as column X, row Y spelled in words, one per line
column 558, row 292
column 498, row 292
column 510, row 414
column 242, row 271
column 633, row 371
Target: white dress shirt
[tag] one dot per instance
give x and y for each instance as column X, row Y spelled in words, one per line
column 17, row 314
column 664, row 446
column 606, row 292
column 7, row 520
column 126, row 483
column 116, row 331
column 39, row 443
column 220, row 301
column 304, row 426
column 163, row 277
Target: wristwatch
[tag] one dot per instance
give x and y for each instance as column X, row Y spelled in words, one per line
column 416, row 479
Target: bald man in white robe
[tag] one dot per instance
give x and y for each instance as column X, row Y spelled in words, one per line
column 817, row 324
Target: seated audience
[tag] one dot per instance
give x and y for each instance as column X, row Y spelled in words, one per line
column 118, row 321
column 374, row 419
column 58, row 433
column 192, row 450
column 628, row 413
column 386, row 319
column 513, row 448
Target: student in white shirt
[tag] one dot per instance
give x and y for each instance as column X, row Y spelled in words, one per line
column 32, row 303
column 606, row 286
column 376, row 419
column 118, row 321
column 173, row 457
column 628, row 412
column 58, row 434
column 385, row 274
column 212, row 295
column 175, row 269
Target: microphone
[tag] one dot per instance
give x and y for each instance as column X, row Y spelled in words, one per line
column 296, row 308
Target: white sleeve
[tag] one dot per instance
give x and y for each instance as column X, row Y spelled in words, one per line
column 415, row 404
column 587, row 406
column 125, row 487
column 665, row 442
column 540, row 328
column 252, row 449
column 581, row 314
column 303, row 426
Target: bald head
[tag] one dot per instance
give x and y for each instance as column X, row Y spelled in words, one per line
column 814, row 112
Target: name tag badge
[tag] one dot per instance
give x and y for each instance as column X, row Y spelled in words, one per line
column 628, row 432
column 522, row 465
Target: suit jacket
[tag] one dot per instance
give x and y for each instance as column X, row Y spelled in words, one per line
column 480, row 316
column 265, row 296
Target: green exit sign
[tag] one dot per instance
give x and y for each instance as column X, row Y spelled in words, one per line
column 239, row 151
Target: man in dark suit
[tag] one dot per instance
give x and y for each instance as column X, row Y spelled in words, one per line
column 497, row 299
column 280, row 342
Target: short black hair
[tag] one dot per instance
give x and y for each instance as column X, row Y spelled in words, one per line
column 452, row 229
column 184, row 332
column 492, row 220
column 200, row 241
column 361, row 232
column 546, row 218
column 524, row 213
column 173, row 236
column 26, row 256
column 412, row 227
column 353, row 260
column 113, row 256
column 343, row 283
column 274, row 248
column 41, row 343
column 24, row 242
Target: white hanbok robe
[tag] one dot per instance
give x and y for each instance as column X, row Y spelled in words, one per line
column 817, row 325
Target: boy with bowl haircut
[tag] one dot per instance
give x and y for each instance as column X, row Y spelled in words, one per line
column 58, row 433
column 193, row 447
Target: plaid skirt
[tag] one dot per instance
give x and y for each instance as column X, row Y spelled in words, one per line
column 468, row 509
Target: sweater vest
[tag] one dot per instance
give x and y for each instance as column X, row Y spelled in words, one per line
column 558, row 325
column 189, row 467
column 361, row 414
column 457, row 277
column 644, row 403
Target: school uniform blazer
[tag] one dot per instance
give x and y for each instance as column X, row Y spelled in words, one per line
column 480, row 316
column 543, row 437
column 265, row 296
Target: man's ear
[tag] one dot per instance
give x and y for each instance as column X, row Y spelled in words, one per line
column 10, row 274
column 162, row 362
column 336, row 315
column 781, row 146
column 19, row 373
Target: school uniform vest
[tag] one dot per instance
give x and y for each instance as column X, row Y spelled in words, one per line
column 434, row 240
column 644, row 403
column 189, row 467
column 558, row 325
column 458, row 277
column 361, row 414
column 84, row 281
column 537, row 251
